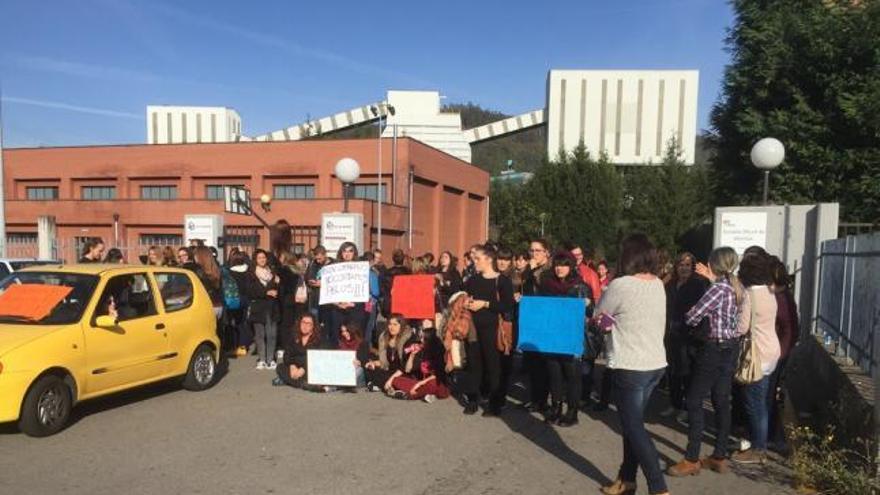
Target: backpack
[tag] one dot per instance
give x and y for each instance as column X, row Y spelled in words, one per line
column 231, row 295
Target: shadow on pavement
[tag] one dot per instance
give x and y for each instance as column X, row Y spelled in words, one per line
column 546, row 437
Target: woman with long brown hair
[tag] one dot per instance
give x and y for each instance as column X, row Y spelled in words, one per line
column 395, row 345
column 293, row 370
column 168, row 258
column 208, row 272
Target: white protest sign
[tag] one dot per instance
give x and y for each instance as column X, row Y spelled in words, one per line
column 740, row 230
column 345, row 282
column 332, row 368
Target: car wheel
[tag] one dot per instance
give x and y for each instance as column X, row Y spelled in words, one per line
column 46, row 407
column 202, row 369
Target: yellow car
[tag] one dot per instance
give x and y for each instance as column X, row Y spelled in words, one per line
column 71, row 333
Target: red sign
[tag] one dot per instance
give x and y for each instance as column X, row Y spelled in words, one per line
column 413, row 296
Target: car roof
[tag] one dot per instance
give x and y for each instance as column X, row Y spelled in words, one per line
column 101, row 268
column 29, row 260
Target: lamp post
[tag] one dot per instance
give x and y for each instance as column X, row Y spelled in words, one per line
column 379, row 196
column 347, row 170
column 766, row 155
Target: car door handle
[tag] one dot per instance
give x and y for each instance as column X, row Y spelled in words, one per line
column 160, row 326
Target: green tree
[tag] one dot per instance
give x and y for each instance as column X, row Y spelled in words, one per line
column 515, row 219
column 808, row 73
column 666, row 201
column 581, row 197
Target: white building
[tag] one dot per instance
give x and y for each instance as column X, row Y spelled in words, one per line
column 629, row 114
column 175, row 124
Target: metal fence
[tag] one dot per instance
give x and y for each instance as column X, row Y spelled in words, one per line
column 848, row 312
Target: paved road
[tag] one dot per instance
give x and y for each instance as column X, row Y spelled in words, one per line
column 247, row 437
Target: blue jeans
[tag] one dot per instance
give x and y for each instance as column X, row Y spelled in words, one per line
column 631, row 392
column 756, row 407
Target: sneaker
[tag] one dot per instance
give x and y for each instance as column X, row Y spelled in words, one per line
column 372, row 388
column 429, row 398
column 261, row 365
column 471, row 408
column 398, row 394
column 279, row 355
column 715, row 464
column 277, row 382
column 241, row 351
column 272, row 365
column 330, row 389
column 668, row 412
column 750, row 456
column 684, row 468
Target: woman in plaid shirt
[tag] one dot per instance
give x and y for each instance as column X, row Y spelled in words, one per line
column 715, row 361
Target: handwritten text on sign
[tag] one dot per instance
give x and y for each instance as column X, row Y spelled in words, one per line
column 345, row 282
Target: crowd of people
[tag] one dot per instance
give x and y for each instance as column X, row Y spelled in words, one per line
column 679, row 324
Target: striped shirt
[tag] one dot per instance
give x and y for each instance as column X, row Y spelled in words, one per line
column 719, row 304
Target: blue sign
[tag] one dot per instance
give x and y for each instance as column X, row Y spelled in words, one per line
column 552, row 325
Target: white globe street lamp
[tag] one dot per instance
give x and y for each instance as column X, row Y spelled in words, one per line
column 766, row 155
column 347, row 170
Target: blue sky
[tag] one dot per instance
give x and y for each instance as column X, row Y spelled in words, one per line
column 82, row 72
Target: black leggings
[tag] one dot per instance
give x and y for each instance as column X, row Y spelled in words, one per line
column 565, row 379
column 484, row 367
column 377, row 376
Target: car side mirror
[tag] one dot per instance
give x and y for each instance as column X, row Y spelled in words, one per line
column 106, row 321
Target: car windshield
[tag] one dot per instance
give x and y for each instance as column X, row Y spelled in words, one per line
column 68, row 309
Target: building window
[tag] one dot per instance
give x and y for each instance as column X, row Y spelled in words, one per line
column 293, row 191
column 368, row 191
column 159, row 192
column 98, row 193
column 42, row 193
column 160, row 240
column 215, row 191
column 21, row 237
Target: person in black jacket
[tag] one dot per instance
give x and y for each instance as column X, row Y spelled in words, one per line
column 261, row 287
column 448, row 279
column 387, row 281
column 237, row 318
column 564, row 370
column 491, row 297
column 396, row 344
column 294, row 369
column 683, row 291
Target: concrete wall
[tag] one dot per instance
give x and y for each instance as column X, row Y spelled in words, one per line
column 629, row 114
column 795, row 234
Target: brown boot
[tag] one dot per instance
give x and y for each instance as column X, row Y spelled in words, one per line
column 619, row 487
column 715, row 464
column 751, row 456
column 684, row 468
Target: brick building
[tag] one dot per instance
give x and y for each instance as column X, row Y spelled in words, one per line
column 136, row 196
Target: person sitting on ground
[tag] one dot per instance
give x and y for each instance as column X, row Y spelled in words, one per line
column 351, row 338
column 395, row 345
column 294, row 369
column 423, row 378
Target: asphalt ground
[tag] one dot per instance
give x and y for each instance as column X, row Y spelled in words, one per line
column 245, row 436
